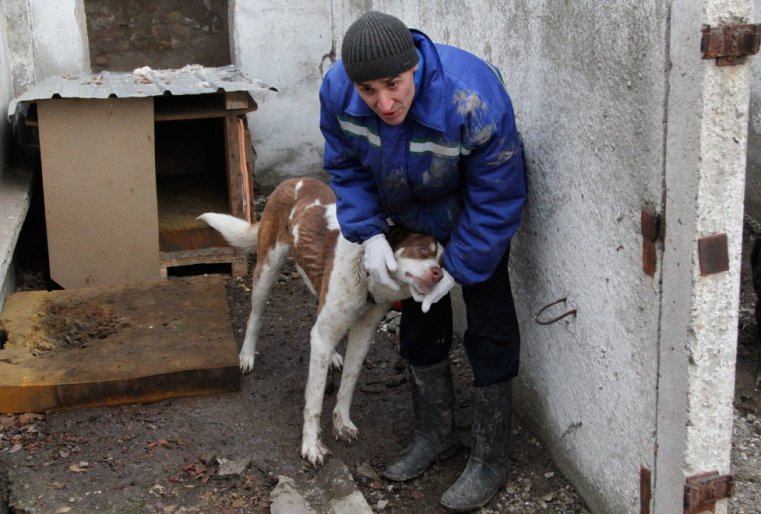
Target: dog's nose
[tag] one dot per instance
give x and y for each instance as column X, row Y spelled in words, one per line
column 436, row 273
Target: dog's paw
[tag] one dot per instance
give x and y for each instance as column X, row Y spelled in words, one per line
column 315, row 453
column 246, row 363
column 336, row 361
column 343, row 428
column 347, row 433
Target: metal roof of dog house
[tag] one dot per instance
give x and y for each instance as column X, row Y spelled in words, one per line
column 192, row 79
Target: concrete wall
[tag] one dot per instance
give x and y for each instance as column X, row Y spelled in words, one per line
column 619, row 113
column 753, row 173
column 705, row 176
column 45, row 38
column 6, row 94
column 14, row 186
column 594, row 103
column 590, row 102
column 289, row 48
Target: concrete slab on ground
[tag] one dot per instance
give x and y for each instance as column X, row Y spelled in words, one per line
column 15, row 194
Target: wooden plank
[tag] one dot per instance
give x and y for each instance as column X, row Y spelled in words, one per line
column 234, row 159
column 250, row 161
column 213, row 105
column 216, row 255
column 239, row 101
column 109, row 346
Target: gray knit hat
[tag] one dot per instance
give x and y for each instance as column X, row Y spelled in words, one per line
column 377, row 46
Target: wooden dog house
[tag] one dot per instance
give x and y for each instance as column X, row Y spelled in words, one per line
column 129, row 160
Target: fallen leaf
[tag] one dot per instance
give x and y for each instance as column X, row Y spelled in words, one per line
column 63, row 510
column 7, row 420
column 16, row 447
column 25, row 419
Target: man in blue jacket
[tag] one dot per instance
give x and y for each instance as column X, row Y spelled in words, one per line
column 423, row 135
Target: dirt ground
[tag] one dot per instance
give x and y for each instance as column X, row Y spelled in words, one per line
column 164, row 457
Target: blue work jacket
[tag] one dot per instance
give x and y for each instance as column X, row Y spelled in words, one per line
column 453, row 169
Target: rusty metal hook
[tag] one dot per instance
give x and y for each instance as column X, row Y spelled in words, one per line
column 553, row 320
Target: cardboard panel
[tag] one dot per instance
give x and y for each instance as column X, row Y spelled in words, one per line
column 99, row 181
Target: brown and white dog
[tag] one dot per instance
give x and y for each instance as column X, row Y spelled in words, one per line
column 299, row 219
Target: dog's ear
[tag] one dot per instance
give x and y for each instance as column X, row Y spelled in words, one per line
column 396, row 235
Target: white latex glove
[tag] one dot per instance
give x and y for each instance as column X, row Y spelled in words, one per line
column 379, row 260
column 439, row 291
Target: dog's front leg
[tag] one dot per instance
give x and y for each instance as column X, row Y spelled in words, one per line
column 358, row 343
column 323, row 340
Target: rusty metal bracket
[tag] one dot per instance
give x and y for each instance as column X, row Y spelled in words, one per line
column 650, row 228
column 701, row 492
column 572, row 312
column 645, row 490
column 730, row 44
column 713, row 254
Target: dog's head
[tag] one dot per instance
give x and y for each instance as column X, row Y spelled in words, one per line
column 418, row 258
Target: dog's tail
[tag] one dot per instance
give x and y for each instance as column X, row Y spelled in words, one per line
column 239, row 233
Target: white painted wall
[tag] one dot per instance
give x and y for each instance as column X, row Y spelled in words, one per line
column 589, row 96
column 6, row 94
column 753, row 165
column 593, row 91
column 619, row 113
column 289, row 48
column 705, row 168
column 45, row 38
column 753, row 170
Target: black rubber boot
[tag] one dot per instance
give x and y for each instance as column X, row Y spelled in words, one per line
column 434, row 438
column 488, row 465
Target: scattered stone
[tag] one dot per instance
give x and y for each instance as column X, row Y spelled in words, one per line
column 381, row 505
column 79, row 468
column 286, row 499
column 355, row 503
column 365, row 470
column 157, row 490
column 417, row 494
column 232, row 467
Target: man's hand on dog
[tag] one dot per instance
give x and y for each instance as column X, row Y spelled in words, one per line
column 439, row 291
column 379, row 259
